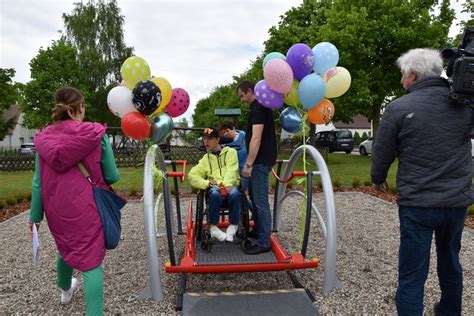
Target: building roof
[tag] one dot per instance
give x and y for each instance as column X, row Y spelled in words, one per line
column 358, row 122
column 227, row 112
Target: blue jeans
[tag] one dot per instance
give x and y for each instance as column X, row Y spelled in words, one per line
column 416, row 231
column 261, row 207
column 215, row 202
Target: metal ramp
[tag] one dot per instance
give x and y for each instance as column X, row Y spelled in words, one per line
column 253, row 303
column 225, row 253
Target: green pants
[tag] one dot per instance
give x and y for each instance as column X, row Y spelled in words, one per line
column 93, row 286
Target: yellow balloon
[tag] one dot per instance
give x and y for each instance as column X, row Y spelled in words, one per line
column 291, row 98
column 338, row 81
column 166, row 92
column 134, row 69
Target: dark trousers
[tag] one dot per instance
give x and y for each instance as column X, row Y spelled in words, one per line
column 416, row 232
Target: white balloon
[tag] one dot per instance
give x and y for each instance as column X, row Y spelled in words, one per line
column 119, row 101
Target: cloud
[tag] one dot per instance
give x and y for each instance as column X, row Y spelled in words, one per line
column 197, row 45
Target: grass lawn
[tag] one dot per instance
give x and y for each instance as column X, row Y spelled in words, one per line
column 343, row 168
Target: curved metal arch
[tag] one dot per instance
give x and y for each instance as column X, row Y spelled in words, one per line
column 330, row 279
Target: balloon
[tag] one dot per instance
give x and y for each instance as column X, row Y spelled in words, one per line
column 122, row 83
column 273, row 55
column 278, row 75
column 119, row 101
column 166, row 92
column 301, row 59
column 146, row 97
column 322, row 113
column 292, row 97
column 134, row 69
column 311, row 91
column 326, row 56
column 161, row 128
column 179, row 102
column 267, row 97
column 290, row 120
column 338, row 81
column 136, row 126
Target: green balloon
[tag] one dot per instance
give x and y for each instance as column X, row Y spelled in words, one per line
column 134, row 70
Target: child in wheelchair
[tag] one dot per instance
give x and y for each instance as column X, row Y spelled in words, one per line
column 218, row 172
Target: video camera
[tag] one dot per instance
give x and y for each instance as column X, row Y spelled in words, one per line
column 461, row 70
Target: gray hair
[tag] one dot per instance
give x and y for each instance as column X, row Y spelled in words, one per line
column 423, row 62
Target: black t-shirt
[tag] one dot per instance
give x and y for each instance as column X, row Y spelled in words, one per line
column 267, row 152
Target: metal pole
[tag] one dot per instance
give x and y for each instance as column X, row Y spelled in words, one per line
column 176, row 195
column 153, row 288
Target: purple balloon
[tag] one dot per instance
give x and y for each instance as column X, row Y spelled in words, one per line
column 268, row 97
column 300, row 57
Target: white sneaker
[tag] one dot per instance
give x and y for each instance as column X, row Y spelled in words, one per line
column 230, row 232
column 66, row 296
column 217, row 233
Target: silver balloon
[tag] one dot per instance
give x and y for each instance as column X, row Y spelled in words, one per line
column 161, row 128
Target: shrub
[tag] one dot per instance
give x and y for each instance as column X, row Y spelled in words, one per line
column 470, row 210
column 133, row 191
column 355, row 182
column 356, row 138
column 364, row 137
column 27, row 196
column 2, row 204
column 336, row 183
column 318, row 184
column 367, row 183
column 10, row 200
column 19, row 197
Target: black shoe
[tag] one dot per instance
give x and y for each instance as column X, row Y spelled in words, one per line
column 252, row 234
column 256, row 249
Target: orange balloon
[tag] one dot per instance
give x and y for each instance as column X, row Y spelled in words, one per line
column 321, row 113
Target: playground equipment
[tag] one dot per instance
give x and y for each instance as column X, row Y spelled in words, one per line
column 230, row 258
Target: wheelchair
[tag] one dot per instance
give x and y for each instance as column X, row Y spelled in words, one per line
column 203, row 229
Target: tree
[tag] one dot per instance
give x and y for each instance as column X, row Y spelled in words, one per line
column 96, row 30
column 8, row 96
column 52, row 68
column 370, row 36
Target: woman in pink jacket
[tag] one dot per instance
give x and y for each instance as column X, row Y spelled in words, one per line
column 62, row 193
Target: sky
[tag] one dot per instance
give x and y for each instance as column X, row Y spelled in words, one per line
column 197, row 45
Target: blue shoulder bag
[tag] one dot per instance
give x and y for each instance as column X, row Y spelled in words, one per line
column 109, row 205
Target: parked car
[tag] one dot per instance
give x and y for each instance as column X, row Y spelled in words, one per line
column 27, row 149
column 336, row 140
column 365, row 147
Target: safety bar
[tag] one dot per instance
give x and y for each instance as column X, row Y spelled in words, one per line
column 179, row 174
column 293, row 175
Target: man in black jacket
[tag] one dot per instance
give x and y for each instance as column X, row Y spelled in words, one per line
column 431, row 140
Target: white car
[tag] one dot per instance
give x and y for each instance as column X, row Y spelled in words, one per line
column 365, row 147
column 27, row 149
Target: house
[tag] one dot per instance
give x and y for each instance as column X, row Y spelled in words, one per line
column 18, row 135
column 360, row 124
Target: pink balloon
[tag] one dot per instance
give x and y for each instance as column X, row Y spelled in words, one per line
column 278, row 75
column 179, row 102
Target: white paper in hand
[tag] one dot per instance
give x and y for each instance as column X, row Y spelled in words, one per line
column 35, row 247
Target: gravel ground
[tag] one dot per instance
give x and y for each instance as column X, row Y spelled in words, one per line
column 367, row 257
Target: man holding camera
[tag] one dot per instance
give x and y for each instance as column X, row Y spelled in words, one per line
column 431, row 140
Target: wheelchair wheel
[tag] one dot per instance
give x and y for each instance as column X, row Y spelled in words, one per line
column 206, row 244
column 199, row 215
